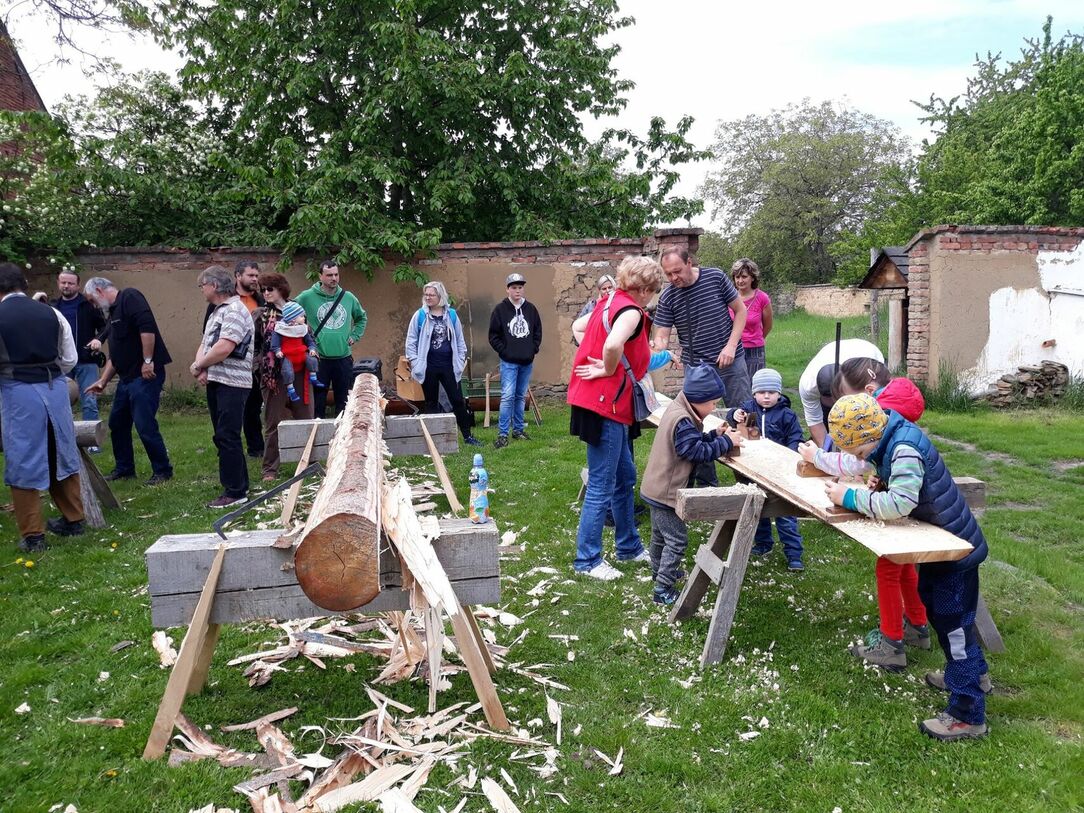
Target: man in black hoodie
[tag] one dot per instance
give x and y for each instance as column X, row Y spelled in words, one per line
column 515, row 332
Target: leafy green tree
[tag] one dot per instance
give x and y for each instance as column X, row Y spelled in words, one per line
column 794, row 188
column 1011, row 149
column 402, row 122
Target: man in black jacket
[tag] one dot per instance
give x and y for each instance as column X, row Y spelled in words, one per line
column 86, row 323
column 515, row 332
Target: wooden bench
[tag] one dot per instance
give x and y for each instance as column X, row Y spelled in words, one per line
column 257, row 581
column 402, row 434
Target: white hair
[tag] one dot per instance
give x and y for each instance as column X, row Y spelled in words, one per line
column 442, row 293
column 96, row 285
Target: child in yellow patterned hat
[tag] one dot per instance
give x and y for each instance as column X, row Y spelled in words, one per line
column 917, row 483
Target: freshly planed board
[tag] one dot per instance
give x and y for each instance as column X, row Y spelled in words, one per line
column 258, row 582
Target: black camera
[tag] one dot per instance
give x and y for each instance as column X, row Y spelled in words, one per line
column 97, row 356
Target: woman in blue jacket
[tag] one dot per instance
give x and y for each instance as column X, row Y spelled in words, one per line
column 437, row 353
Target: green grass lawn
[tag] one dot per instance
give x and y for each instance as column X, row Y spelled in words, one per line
column 837, row 735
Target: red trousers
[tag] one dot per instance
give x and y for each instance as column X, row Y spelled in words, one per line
column 897, row 594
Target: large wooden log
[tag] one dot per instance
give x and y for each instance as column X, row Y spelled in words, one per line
column 338, row 556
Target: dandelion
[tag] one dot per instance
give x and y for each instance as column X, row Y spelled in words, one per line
column 19, row 561
column 28, row 563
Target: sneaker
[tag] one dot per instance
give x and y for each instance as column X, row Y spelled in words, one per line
column 916, row 636
column 158, row 479
column 269, row 478
column 94, row 450
column 642, row 556
column 62, row 527
column 936, row 680
column 795, row 565
column 291, row 393
column 473, row 441
column 502, row 441
column 947, row 728
column 520, row 436
column 603, row 571
column 881, row 651
column 119, row 475
column 665, row 595
column 761, row 550
column 35, row 543
column 225, row 502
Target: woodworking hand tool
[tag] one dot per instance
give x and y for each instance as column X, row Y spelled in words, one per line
column 226, row 519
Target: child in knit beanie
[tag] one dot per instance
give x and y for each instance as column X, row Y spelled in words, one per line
column 292, row 344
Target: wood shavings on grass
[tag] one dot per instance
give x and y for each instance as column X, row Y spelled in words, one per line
column 497, row 797
column 616, row 765
column 163, row 645
column 105, row 722
column 657, row 720
column 22, row 708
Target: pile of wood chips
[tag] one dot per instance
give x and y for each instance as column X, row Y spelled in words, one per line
column 390, row 747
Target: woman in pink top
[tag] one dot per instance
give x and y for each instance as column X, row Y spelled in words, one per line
column 758, row 322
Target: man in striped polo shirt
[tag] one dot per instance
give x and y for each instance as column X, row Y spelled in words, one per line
column 698, row 302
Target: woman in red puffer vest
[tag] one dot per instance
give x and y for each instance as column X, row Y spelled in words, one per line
column 613, row 352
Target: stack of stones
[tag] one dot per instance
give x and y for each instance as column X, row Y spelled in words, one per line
column 1031, row 383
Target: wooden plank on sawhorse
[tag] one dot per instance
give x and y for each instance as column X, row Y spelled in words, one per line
column 722, row 561
column 402, row 435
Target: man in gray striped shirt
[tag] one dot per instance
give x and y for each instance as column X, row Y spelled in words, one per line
column 698, row 302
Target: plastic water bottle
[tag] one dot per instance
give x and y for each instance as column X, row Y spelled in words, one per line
column 479, row 492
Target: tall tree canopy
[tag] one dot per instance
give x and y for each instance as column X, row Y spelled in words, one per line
column 393, row 124
column 796, row 186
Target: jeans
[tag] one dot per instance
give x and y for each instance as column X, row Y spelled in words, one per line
column 136, row 403
column 788, row 536
column 737, row 381
column 514, row 381
column 227, row 407
column 951, row 598
column 611, row 481
column 339, row 375
column 669, row 538
column 445, row 377
column 84, row 375
column 253, row 422
column 754, row 360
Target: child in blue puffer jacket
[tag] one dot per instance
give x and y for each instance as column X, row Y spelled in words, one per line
column 921, row 486
column 776, row 421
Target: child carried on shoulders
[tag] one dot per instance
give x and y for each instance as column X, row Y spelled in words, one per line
column 291, row 342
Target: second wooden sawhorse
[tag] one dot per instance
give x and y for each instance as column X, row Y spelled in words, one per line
column 724, row 558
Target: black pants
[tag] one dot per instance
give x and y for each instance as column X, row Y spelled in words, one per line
column 227, row 407
column 339, row 375
column 253, row 420
column 445, row 377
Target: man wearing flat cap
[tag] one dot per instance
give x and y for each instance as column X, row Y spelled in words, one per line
column 515, row 332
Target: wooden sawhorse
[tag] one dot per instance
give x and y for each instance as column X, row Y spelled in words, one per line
column 724, row 558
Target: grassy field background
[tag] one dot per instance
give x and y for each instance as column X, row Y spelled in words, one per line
column 833, row 735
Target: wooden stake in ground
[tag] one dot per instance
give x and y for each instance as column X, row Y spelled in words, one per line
column 405, row 531
column 534, row 406
column 295, row 489
column 442, row 473
column 337, row 561
column 192, row 663
column 485, row 423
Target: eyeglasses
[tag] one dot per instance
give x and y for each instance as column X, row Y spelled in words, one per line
column 267, row 288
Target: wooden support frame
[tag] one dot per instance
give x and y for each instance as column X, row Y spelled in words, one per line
column 442, row 472
column 190, row 670
column 295, row 489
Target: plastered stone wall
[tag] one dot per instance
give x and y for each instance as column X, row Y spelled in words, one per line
column 561, row 276
column 830, row 300
column 984, row 300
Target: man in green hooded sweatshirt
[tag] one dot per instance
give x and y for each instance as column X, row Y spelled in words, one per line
column 340, row 331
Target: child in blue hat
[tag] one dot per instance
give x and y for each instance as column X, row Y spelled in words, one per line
column 291, row 342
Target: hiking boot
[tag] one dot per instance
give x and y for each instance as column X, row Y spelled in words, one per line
column 936, row 680
column 35, row 543
column 665, row 595
column 603, row 571
column 762, row 550
column 947, row 728
column 502, row 441
column 158, row 479
column 225, row 502
column 119, row 475
column 473, row 441
column 916, row 636
column 62, row 527
column 795, row 566
column 642, row 556
column 520, row 436
column 881, row 651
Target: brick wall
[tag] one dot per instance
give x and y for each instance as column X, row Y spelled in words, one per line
column 951, row 268
column 561, row 276
column 17, row 91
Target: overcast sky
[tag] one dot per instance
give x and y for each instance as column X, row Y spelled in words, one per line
column 719, row 61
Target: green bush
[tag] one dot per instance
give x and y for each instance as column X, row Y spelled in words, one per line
column 948, row 394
